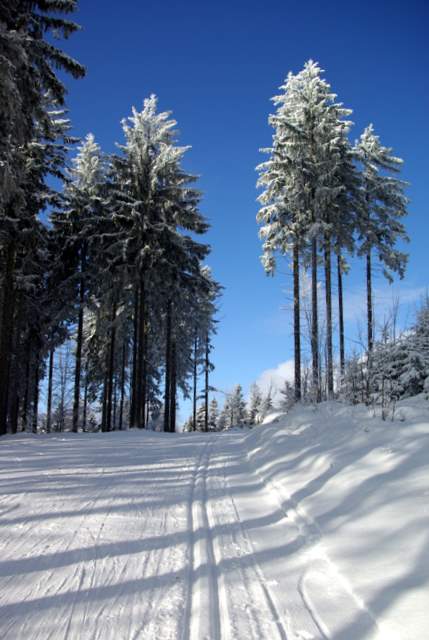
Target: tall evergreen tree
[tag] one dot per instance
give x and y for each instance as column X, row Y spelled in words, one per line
column 213, row 415
column 255, row 404
column 303, row 185
column 75, row 224
column 29, row 133
column 382, row 206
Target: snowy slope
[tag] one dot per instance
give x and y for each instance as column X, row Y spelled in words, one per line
column 359, row 489
column 308, row 528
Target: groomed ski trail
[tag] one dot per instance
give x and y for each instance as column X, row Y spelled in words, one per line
column 142, row 536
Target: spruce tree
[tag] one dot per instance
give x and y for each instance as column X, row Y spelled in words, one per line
column 303, row 183
column 75, row 224
column 382, row 207
column 255, row 404
column 29, row 149
column 213, row 415
column 237, row 407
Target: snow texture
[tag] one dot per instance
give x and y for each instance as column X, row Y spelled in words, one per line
column 312, row 526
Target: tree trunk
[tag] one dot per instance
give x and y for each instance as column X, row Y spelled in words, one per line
column 104, row 402
column 121, row 402
column 26, row 386
column 79, row 340
column 79, row 337
column 6, row 325
column 195, row 380
column 144, row 371
column 369, row 302
column 341, row 314
column 133, row 420
column 36, row 392
column 173, row 386
column 16, row 363
column 85, row 400
column 115, row 402
column 49, row 402
column 314, row 322
column 167, row 401
column 328, row 298
column 105, row 388
column 206, row 386
column 111, row 368
column 140, row 409
column 14, row 413
column 296, row 322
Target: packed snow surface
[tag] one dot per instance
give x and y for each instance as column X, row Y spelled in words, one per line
column 313, row 526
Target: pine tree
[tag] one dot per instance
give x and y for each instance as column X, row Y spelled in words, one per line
column 267, row 404
column 287, row 396
column 153, row 208
column 201, row 418
column 303, row 182
column 354, row 380
column 82, row 203
column 237, row 407
column 382, row 206
column 213, row 415
column 120, row 271
column 223, row 420
column 255, row 404
column 31, row 138
column 188, row 426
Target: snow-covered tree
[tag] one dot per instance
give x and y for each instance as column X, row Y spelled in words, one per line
column 267, row 403
column 255, row 404
column 201, row 418
column 188, row 425
column 152, row 201
column 287, row 396
column 213, row 415
column 119, row 270
column 32, row 134
column 234, row 410
column 354, row 382
column 303, row 183
column 224, row 418
column 237, row 406
column 75, row 225
column 382, row 207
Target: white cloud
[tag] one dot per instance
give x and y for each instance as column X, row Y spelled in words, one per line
column 276, row 378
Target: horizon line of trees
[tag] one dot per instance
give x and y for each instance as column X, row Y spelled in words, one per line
column 399, row 369
column 110, row 262
column 236, row 412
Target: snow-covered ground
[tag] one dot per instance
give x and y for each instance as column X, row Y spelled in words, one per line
column 312, row 526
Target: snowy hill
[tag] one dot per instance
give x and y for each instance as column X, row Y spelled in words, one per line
column 312, row 526
column 358, row 488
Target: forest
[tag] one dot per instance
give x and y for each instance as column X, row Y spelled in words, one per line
column 103, row 275
column 108, row 305
column 324, row 201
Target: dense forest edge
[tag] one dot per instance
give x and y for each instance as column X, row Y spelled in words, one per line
column 108, row 305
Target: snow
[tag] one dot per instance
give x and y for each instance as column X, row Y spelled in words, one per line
column 312, row 526
column 359, row 489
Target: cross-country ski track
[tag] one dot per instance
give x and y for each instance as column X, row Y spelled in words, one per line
column 141, row 535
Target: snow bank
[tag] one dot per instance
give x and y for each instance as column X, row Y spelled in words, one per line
column 360, row 488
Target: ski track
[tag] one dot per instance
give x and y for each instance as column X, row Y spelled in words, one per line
column 202, row 607
column 145, row 536
column 322, row 589
column 250, row 611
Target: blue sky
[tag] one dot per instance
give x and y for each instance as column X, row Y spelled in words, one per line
column 216, row 65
